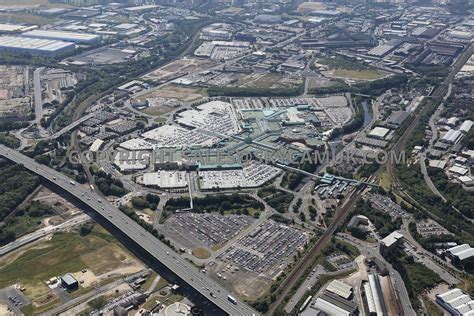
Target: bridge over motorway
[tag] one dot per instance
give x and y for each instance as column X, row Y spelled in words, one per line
column 184, row 270
column 72, row 126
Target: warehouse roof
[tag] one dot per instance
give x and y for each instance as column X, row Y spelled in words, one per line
column 340, row 288
column 329, row 308
column 398, row 117
column 32, row 43
column 166, row 179
column 13, row 27
column 466, row 126
column 463, row 251
column 452, row 136
column 459, row 170
column 391, row 239
column 458, row 301
column 68, row 279
column 379, row 132
column 71, row 36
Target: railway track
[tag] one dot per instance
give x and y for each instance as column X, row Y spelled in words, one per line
column 306, row 262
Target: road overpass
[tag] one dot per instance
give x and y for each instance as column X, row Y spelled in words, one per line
column 22, row 241
column 209, row 289
column 72, row 126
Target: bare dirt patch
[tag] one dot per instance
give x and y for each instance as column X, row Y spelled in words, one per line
column 201, row 253
column 180, row 93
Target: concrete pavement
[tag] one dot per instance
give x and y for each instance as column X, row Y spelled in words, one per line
column 20, row 242
column 209, row 289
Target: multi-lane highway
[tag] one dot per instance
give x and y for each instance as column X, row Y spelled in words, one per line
column 167, row 257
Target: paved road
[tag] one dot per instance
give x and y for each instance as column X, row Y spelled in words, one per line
column 427, row 178
column 72, row 126
column 307, row 284
column 37, row 94
column 369, row 251
column 212, row 291
column 20, row 242
column 98, row 291
column 406, row 233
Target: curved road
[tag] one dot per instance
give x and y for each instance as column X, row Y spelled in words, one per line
column 212, row 291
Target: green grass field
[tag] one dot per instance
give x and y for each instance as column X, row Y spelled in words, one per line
column 359, row 74
column 64, row 253
column 201, row 253
column 25, row 18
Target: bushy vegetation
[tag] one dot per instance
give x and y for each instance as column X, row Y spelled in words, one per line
column 382, row 221
column 15, row 185
column 366, row 170
column 413, row 181
column 277, row 199
column 107, row 184
column 149, row 201
column 254, row 91
column 291, row 180
column 416, row 276
column 9, row 140
column 463, row 200
column 149, row 227
column 233, row 203
column 10, row 125
column 25, row 220
column 373, row 88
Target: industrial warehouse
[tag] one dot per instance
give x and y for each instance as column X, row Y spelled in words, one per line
column 310, row 158
column 34, row 46
column 64, row 36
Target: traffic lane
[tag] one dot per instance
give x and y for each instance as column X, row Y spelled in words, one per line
column 155, row 248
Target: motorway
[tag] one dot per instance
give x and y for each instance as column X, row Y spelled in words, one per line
column 149, row 243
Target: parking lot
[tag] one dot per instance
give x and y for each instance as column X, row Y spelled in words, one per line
column 340, row 261
column 431, row 228
column 268, row 245
column 207, row 229
column 385, row 204
column 14, row 298
column 251, row 175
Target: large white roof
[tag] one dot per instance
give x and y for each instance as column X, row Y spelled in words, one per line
column 463, row 251
column 71, row 36
column 33, row 43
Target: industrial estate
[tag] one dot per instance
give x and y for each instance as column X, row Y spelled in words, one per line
column 237, row 158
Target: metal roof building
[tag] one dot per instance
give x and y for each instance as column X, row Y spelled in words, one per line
column 34, row 46
column 462, row 252
column 69, row 282
column 64, row 36
column 377, row 296
column 452, row 136
column 340, row 288
column 397, row 118
column 11, row 28
column 456, row 302
column 333, row 304
column 379, row 132
column 466, row 126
